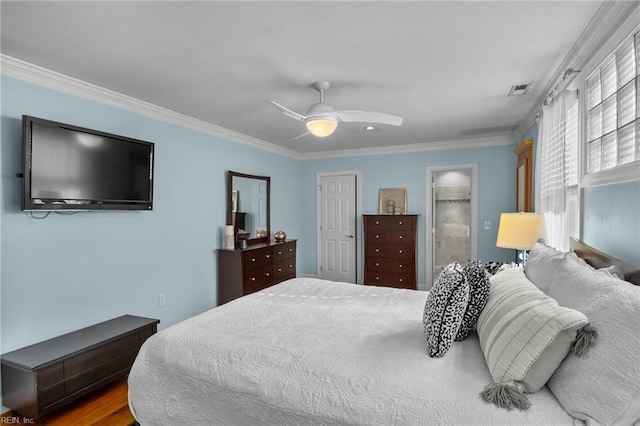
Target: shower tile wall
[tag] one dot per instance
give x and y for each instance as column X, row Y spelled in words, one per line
column 452, row 226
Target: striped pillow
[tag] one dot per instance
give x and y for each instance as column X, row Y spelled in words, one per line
column 524, row 334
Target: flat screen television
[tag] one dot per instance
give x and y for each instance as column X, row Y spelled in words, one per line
column 72, row 168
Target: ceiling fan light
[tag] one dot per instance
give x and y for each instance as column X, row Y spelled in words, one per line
column 321, row 127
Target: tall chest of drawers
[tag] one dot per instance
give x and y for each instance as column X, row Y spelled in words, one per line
column 390, row 246
column 242, row 272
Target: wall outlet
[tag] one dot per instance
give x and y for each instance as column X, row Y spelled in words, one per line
column 161, row 300
column 487, row 225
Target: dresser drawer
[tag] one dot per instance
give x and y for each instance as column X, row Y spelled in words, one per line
column 389, row 265
column 258, row 278
column 389, row 222
column 50, row 375
column 104, row 353
column 388, row 279
column 285, row 269
column 284, row 251
column 241, row 272
column 390, row 237
column 99, row 372
column 257, row 258
column 396, row 251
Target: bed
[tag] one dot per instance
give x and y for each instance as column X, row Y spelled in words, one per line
column 309, row 351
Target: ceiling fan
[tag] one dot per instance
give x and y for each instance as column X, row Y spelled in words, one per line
column 322, row 119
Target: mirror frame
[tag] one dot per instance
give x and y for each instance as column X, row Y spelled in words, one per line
column 524, row 176
column 230, row 175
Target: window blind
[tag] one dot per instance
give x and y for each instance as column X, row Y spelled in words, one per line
column 613, row 101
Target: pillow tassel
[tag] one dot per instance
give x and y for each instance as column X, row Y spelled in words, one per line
column 585, row 339
column 507, row 395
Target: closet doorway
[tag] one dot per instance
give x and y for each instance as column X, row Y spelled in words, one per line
column 451, row 217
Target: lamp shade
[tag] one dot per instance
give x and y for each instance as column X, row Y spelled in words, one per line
column 520, row 231
column 321, row 127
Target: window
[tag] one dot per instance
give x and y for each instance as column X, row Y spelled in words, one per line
column 613, row 102
column 558, row 168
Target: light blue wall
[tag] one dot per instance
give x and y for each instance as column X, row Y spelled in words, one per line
column 611, row 219
column 496, row 192
column 69, row 271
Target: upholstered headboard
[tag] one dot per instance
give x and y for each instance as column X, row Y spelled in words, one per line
column 598, row 259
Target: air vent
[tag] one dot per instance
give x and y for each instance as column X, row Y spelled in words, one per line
column 519, row 89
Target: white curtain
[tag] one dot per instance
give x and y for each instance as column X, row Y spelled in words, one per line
column 556, row 168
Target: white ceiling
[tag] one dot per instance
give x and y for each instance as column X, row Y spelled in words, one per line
column 445, row 66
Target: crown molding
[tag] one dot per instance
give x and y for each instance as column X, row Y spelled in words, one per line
column 22, row 70
column 499, row 140
column 602, row 26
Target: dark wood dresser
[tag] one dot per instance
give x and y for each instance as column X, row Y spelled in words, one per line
column 38, row 379
column 390, row 247
column 242, row 272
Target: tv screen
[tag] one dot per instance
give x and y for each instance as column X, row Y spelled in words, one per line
column 72, row 168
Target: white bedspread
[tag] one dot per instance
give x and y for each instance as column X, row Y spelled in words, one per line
column 313, row 352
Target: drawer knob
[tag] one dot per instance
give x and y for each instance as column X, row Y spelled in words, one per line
column 377, row 278
column 400, row 279
column 279, row 269
column 266, row 274
column 400, row 251
column 400, row 236
column 290, row 266
column 279, row 253
column 401, row 266
column 268, row 256
column 377, row 236
column 377, row 223
column 400, row 223
column 253, row 278
column 377, row 250
column 377, row 264
column 253, row 259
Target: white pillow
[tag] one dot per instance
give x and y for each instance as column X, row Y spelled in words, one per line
column 604, row 385
column 524, row 334
column 614, row 271
column 542, row 263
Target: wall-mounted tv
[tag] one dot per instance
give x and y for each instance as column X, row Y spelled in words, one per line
column 72, row 168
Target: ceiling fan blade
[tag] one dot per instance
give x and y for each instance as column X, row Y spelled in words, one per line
column 299, row 136
column 369, row 117
column 286, row 111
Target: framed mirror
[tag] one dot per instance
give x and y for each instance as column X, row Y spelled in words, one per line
column 249, row 206
column 523, row 176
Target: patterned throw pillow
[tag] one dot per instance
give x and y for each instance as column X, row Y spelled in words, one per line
column 478, row 280
column 492, row 267
column 444, row 309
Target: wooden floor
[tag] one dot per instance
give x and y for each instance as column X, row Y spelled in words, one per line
column 105, row 407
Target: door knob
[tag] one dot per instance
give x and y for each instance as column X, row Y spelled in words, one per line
column 351, row 236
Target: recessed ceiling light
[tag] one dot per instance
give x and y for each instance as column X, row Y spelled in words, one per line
column 369, row 128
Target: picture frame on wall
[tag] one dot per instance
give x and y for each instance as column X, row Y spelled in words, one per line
column 393, row 201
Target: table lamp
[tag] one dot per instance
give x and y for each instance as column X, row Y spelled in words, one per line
column 520, row 231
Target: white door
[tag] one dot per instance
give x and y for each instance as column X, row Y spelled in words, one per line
column 338, row 224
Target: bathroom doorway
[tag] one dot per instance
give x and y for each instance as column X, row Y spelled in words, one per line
column 451, row 217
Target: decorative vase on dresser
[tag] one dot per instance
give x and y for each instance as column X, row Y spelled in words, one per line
column 390, row 246
column 242, row 272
